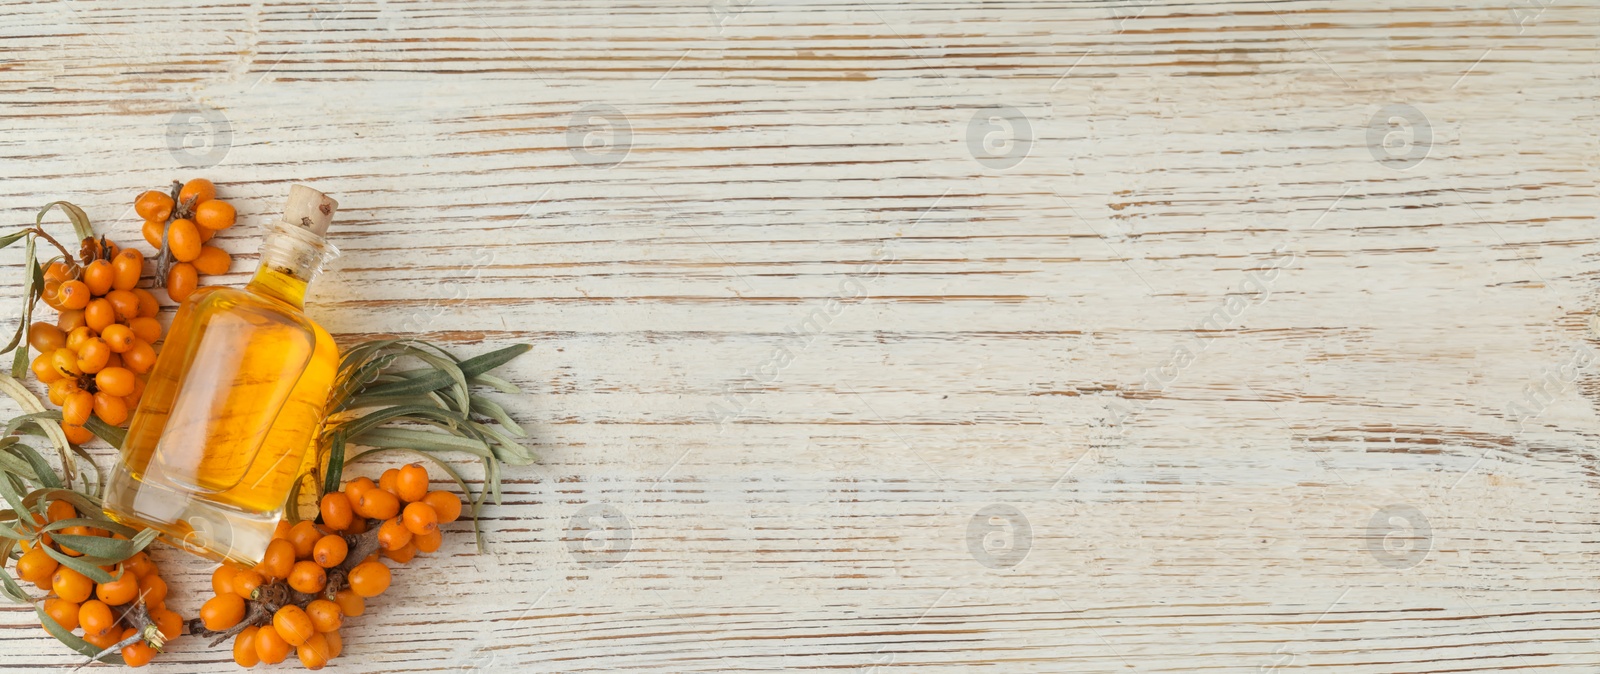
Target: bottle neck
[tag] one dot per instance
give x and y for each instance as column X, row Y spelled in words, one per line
column 291, row 257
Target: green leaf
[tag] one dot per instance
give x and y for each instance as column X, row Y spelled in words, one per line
column 83, row 503
column 44, row 474
column 17, row 421
column 14, row 236
column 10, row 463
column 428, row 441
column 496, row 383
column 73, row 641
column 13, row 498
column 111, row 549
column 97, row 522
column 31, row 403
column 336, row 463
column 80, row 220
column 111, row 434
column 492, row 409
column 12, row 590
column 471, row 367
column 87, row 565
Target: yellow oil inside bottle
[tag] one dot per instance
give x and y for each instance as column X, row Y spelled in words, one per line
column 229, row 418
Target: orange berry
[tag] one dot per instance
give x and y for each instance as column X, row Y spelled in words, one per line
column 153, row 205
column 378, row 504
column 412, row 483
column 244, row 648
column 117, row 336
column 196, row 192
column 153, row 589
column 77, row 408
column 308, row 577
column 64, row 612
column 77, row 336
column 357, row 526
column 215, row 215
column 61, row 270
column 126, row 302
column 117, row 381
column 148, row 307
column 43, row 370
column 314, row 653
column 35, row 565
column 141, row 566
column 222, row 578
column 404, row 553
column 168, row 623
column 138, row 653
column 281, row 530
column 336, row 512
column 103, row 641
column 369, row 579
column 119, row 590
column 94, row 616
column 111, row 409
column 222, row 611
column 213, row 260
column 278, row 560
column 65, row 362
column 140, row 357
column 151, row 230
column 146, row 329
column 44, row 337
column 393, row 535
column 60, row 510
column 355, row 488
column 387, row 481
column 71, row 585
column 98, row 276
column 99, row 314
column 61, row 388
column 325, row 615
column 245, row 583
column 76, row 434
column 74, row 294
column 126, row 269
column 270, row 646
column 181, row 281
column 428, row 542
column 330, row 551
column 93, row 355
column 350, row 603
column 293, row 624
column 335, row 643
column 69, row 320
column 304, row 536
column 183, row 239
column 419, row 518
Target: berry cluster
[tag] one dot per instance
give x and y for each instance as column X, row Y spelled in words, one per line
column 313, row 576
column 187, row 218
column 94, row 356
column 127, row 612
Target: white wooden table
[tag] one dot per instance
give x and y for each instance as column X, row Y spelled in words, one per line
column 1132, row 336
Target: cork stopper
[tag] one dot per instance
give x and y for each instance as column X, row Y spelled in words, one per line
column 310, row 209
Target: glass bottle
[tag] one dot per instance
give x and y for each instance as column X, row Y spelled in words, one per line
column 230, row 416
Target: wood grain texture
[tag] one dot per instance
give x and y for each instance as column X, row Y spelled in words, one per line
column 1238, row 369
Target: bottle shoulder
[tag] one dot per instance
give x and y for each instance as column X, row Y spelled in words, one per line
column 206, row 303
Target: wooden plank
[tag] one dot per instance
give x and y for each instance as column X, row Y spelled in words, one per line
column 1260, row 332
